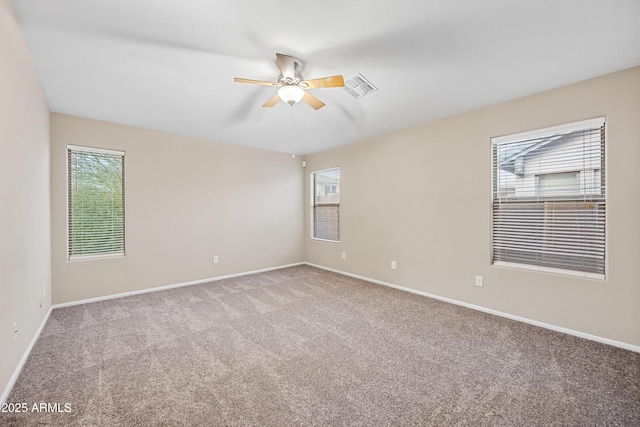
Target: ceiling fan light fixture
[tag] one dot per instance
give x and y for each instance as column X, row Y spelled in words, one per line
column 290, row 94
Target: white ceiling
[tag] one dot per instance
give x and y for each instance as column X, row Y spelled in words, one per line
column 169, row 65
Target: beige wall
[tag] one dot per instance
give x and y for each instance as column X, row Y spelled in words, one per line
column 25, row 247
column 187, row 199
column 422, row 197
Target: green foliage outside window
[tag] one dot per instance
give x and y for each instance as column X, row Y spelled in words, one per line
column 96, row 203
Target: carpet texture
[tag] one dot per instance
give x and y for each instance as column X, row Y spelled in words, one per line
column 302, row 346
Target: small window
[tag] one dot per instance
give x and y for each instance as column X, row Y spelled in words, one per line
column 96, row 202
column 563, row 183
column 325, row 211
column 549, row 198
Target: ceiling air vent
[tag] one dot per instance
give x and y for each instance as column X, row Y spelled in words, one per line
column 358, row 86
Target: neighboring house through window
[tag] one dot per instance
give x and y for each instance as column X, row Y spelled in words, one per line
column 95, row 202
column 549, row 199
column 325, row 210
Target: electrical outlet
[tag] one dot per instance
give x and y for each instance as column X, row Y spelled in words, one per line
column 344, row 255
column 215, row 259
column 15, row 331
column 479, row 281
column 393, row 265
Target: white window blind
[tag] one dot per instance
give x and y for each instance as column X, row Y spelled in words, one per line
column 96, row 202
column 549, row 198
column 326, row 205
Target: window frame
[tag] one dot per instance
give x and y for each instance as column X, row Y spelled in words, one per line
column 313, row 205
column 540, row 133
column 95, row 256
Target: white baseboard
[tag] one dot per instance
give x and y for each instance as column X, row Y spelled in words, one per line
column 24, row 358
column 567, row 331
column 177, row 285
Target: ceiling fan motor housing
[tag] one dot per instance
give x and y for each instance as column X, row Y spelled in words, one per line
column 287, row 81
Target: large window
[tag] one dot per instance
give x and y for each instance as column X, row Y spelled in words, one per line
column 325, row 210
column 549, row 198
column 96, row 202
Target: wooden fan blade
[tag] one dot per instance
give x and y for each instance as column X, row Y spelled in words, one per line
column 287, row 66
column 333, row 81
column 273, row 101
column 313, row 102
column 253, row 82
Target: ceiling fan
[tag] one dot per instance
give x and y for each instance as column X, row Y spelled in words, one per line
column 291, row 85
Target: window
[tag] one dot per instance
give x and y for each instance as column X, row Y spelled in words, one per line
column 550, row 184
column 325, row 212
column 549, row 198
column 95, row 202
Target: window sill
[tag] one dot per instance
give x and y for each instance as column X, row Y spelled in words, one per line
column 325, row 240
column 552, row 270
column 95, row 257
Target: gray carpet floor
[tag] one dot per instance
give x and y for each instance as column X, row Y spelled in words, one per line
column 302, row 346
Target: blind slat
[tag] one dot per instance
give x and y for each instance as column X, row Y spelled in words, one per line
column 96, row 202
column 326, row 205
column 549, row 202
